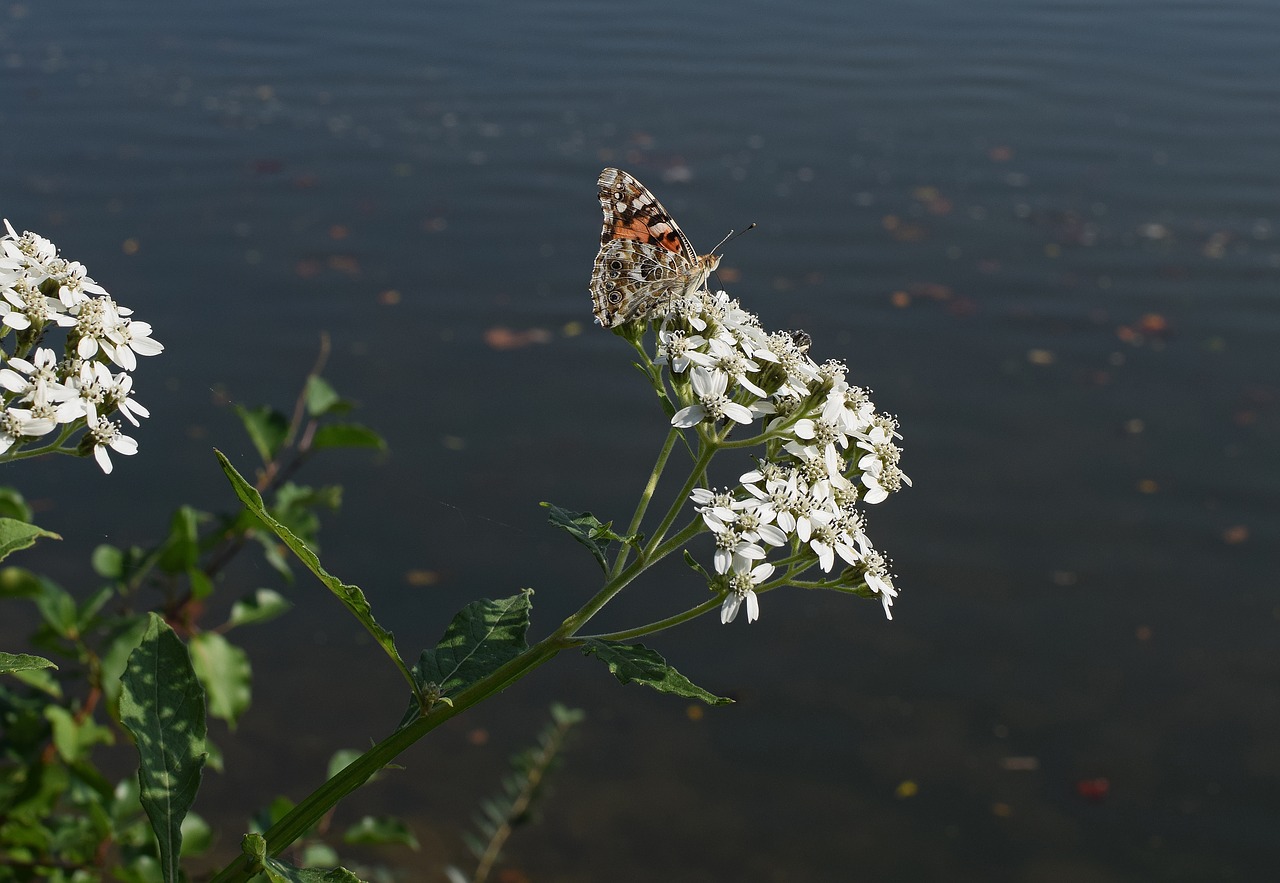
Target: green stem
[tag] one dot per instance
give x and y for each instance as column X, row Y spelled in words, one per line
column 643, row 506
column 705, row 453
column 312, row 808
column 677, row 619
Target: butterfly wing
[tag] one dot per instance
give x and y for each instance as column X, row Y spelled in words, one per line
column 643, row 252
column 631, row 211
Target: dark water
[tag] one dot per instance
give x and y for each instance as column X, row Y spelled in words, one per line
column 1044, row 232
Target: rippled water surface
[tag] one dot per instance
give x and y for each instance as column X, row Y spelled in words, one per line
column 1046, row 235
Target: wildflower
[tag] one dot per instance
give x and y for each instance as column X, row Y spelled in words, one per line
column 742, row 588
column 712, row 405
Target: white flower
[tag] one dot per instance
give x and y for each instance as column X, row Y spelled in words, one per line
column 717, row 508
column 42, row 385
column 105, row 435
column 129, row 337
column 678, row 350
column 712, row 405
column 733, row 550
column 95, row 319
column 20, row 423
column 879, row 580
column 742, row 588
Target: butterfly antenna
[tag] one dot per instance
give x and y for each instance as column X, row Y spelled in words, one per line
column 730, row 237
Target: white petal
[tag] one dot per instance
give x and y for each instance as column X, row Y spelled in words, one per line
column 738, row 413
column 753, row 607
column 729, row 609
column 104, row 460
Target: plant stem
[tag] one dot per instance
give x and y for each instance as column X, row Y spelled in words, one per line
column 315, row 805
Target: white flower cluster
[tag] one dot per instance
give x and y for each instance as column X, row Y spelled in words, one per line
column 40, row 392
column 826, row 452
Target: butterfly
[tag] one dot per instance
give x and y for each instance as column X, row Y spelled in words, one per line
column 645, row 259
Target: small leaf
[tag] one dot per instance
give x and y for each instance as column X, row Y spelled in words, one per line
column 379, row 831
column 16, row 535
column 350, row 596
column 267, row 430
column 483, row 636
column 693, row 564
column 75, row 739
column 12, row 505
column 637, row 663
column 586, row 529
column 162, row 705
column 181, row 549
column 108, row 562
column 346, row 435
column 320, row 396
column 262, row 606
column 10, row 662
column 224, row 671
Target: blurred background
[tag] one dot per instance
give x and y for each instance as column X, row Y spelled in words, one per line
column 1046, row 234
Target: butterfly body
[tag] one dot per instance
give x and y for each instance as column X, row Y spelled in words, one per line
column 645, row 259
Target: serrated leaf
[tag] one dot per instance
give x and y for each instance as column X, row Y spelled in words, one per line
column 262, row 606
column 162, row 705
column 636, row 663
column 482, row 636
column 350, row 596
column 346, row 435
column 10, row 662
column 16, row 535
column 586, row 529
column 267, row 429
column 224, row 671
column 378, row 831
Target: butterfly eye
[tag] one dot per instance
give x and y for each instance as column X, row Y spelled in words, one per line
column 615, row 265
column 614, row 296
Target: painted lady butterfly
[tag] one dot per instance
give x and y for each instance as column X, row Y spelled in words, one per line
column 644, row 257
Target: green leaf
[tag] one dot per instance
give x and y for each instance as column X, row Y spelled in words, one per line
column 350, row 596
column 22, row 662
column 346, row 435
column 267, row 430
column 197, row 835
column 636, row 663
column 16, row 535
column 378, row 831
column 224, row 671
column 283, row 872
column 108, row 562
column 115, row 656
column 181, row 549
column 262, row 606
column 57, row 608
column 586, row 529
column 162, row 705
column 483, row 636
column 254, row 846
column 12, row 505
column 75, row 739
column 320, row 396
